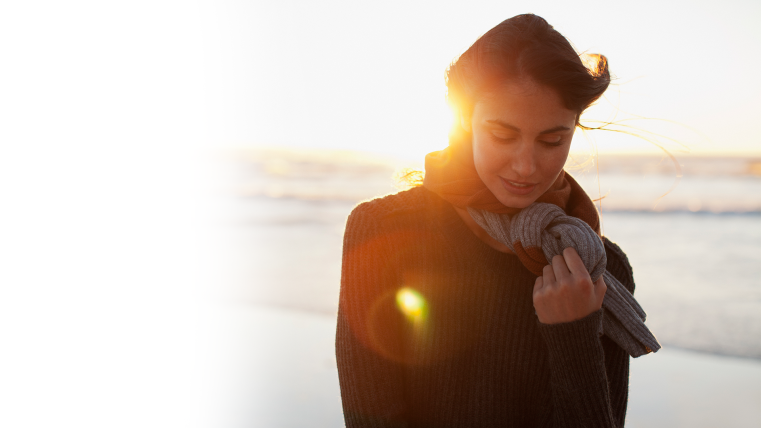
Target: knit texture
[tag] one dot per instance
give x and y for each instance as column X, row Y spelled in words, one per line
column 474, row 354
column 542, row 231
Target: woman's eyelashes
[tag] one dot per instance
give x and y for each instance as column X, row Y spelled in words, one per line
column 550, row 141
column 499, row 136
column 505, row 139
column 553, row 142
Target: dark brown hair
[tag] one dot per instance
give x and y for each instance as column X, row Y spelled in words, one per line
column 526, row 46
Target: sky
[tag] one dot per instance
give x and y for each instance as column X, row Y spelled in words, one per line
column 370, row 75
column 174, row 75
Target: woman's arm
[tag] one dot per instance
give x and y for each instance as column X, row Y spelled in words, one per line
column 589, row 373
column 368, row 343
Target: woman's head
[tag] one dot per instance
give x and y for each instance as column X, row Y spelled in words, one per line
column 519, row 92
column 525, row 47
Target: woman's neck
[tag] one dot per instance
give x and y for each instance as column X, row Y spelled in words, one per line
column 480, row 232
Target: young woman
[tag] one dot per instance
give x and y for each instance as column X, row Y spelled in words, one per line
column 440, row 324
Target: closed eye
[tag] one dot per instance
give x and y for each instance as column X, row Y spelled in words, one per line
column 503, row 137
column 552, row 143
column 554, row 140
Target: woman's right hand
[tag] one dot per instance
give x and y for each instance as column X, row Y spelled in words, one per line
column 565, row 291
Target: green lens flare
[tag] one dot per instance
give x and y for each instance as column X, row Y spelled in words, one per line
column 411, row 303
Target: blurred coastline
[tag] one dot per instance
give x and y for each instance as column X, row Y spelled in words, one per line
column 696, row 255
column 727, row 184
column 696, row 251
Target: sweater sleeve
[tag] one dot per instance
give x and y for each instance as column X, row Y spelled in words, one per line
column 368, row 344
column 589, row 372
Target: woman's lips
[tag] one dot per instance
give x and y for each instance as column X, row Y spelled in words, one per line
column 517, row 187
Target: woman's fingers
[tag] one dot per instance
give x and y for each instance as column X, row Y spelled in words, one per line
column 560, row 269
column 565, row 292
column 578, row 274
column 574, row 262
column 538, row 284
column 548, row 275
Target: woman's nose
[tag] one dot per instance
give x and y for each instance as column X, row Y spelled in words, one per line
column 524, row 163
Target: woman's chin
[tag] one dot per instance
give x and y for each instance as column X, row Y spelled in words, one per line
column 516, row 201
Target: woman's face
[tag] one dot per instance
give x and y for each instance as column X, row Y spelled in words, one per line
column 521, row 136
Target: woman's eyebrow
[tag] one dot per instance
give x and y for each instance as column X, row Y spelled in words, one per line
column 555, row 129
column 503, row 124
column 516, row 129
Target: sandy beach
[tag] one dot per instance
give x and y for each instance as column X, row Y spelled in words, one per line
column 282, row 374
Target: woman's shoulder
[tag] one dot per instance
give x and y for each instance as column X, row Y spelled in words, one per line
column 409, row 204
column 618, row 264
column 416, row 209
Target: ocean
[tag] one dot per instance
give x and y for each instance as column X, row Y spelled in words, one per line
column 692, row 234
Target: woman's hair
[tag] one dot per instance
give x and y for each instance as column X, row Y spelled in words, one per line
column 526, row 46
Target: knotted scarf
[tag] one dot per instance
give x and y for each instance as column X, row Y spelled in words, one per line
column 562, row 217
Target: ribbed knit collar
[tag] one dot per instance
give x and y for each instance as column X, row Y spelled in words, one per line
column 455, row 229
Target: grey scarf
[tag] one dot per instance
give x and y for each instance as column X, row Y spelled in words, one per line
column 547, row 227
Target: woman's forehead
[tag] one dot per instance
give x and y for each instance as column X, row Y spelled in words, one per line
column 523, row 102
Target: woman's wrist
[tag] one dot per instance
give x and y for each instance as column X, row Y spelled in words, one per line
column 574, row 336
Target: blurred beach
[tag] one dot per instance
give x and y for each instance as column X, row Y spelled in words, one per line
column 696, row 255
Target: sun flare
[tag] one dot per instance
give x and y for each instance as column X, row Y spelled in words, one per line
column 411, row 303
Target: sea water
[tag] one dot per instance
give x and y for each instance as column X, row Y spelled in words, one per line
column 695, row 252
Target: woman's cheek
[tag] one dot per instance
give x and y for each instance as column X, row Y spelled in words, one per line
column 492, row 161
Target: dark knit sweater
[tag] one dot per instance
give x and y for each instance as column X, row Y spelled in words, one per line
column 477, row 356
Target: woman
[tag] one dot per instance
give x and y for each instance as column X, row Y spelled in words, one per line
column 441, row 324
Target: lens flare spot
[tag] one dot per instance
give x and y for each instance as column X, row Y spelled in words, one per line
column 411, row 303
